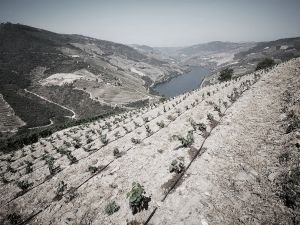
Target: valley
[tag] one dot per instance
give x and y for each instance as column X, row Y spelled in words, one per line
column 130, row 112
column 74, row 174
column 60, row 75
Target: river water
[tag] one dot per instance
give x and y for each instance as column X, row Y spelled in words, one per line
column 182, row 83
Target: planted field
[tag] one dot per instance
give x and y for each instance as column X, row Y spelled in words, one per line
column 168, row 163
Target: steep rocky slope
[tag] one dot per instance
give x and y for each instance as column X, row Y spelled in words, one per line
column 230, row 139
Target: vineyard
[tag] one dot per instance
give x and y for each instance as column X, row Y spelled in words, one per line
column 191, row 159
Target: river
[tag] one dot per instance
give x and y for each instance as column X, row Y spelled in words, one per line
column 182, row 83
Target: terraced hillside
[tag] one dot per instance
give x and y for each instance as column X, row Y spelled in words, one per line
column 86, row 75
column 212, row 156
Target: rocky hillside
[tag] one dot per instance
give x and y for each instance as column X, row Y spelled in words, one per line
column 224, row 154
column 58, row 74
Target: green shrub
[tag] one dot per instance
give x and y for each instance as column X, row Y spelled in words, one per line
column 146, row 119
column 225, row 74
column 186, row 141
column 67, row 144
column 24, row 185
column 117, row 134
column 177, row 166
column 67, row 153
column 126, row 129
column 135, row 141
column 10, row 169
column 137, row 199
column 171, row 118
column 225, row 104
column 116, row 153
column 198, row 126
column 50, row 162
column 14, row 219
column 161, row 124
column 104, row 139
column 218, row 109
column 92, row 169
column 136, row 125
column 71, row 194
column 28, row 168
column 148, row 130
column 60, row 191
column 266, row 63
column 4, row 180
column 111, row 208
column 210, row 117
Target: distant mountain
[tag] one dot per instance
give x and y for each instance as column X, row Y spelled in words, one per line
column 46, row 77
column 211, row 47
column 279, row 50
column 241, row 57
column 210, row 54
column 246, row 61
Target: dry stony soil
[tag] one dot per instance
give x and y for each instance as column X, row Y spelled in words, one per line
column 238, row 142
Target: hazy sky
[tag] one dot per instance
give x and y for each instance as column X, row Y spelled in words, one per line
column 160, row 22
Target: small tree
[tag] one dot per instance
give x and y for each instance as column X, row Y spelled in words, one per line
column 266, row 63
column 226, row 74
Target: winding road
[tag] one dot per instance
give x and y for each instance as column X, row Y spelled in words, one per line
column 72, row 117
